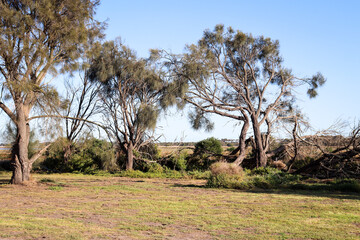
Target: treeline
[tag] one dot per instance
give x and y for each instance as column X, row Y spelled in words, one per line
column 227, row 73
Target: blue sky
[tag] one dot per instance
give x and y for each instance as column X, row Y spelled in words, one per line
column 321, row 35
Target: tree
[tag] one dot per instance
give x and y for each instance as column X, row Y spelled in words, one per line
column 82, row 104
column 131, row 93
column 38, row 38
column 240, row 77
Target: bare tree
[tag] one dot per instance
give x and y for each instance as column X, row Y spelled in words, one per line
column 82, row 104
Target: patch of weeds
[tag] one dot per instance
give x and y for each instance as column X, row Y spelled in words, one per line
column 198, row 174
column 56, row 188
column 167, row 173
column 225, row 175
column 47, row 180
column 223, row 180
column 271, row 178
column 342, row 185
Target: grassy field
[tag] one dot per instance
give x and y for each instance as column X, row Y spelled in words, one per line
column 61, row 206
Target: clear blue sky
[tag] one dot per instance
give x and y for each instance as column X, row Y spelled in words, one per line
column 321, row 35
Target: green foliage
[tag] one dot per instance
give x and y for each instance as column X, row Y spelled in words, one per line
column 154, row 168
column 81, row 162
column 47, row 180
column 230, row 149
column 10, row 133
column 205, row 153
column 264, row 171
column 342, row 185
column 150, row 151
column 88, row 156
column 167, row 173
column 299, row 163
column 179, row 161
column 224, row 180
column 208, row 146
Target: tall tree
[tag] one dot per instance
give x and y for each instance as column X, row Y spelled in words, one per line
column 82, row 104
column 131, row 94
column 241, row 77
column 37, row 38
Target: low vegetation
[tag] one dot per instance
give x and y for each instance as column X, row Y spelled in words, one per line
column 108, row 207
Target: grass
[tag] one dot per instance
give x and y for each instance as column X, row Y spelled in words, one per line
column 68, row 206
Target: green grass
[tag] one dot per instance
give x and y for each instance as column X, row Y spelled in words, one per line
column 108, row 207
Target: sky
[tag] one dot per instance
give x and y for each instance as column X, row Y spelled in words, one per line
column 315, row 36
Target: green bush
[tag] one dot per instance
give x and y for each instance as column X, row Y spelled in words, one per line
column 208, row 146
column 88, row 156
column 224, row 180
column 198, row 174
column 205, row 153
column 150, row 151
column 154, row 168
column 264, row 171
column 81, row 163
column 179, row 161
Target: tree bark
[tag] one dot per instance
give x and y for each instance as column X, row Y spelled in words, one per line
column 130, row 157
column 20, row 159
column 242, row 143
column 68, row 150
column 291, row 162
column 261, row 157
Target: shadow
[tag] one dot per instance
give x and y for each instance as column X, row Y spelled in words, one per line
column 188, row 185
column 4, row 182
column 310, row 193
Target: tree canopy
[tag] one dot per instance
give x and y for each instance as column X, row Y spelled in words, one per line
column 131, row 93
column 239, row 76
column 37, row 39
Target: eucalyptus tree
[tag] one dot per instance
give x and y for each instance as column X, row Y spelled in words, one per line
column 241, row 77
column 131, row 93
column 37, row 39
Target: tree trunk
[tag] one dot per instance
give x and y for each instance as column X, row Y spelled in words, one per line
column 292, row 160
column 242, row 144
column 68, row 150
column 20, row 159
column 261, row 157
column 130, row 157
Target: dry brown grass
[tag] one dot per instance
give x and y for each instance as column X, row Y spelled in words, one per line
column 225, row 168
column 279, row 165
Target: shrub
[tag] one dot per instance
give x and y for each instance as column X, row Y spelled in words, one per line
column 264, row 171
column 179, row 161
column 302, row 162
column 87, row 156
column 279, row 165
column 205, row 153
column 225, row 175
column 230, row 149
column 223, row 180
column 150, row 151
column 81, row 163
column 208, row 146
column 225, row 168
column 154, row 168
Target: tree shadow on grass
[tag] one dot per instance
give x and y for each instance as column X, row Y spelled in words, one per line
column 4, row 181
column 310, row 193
